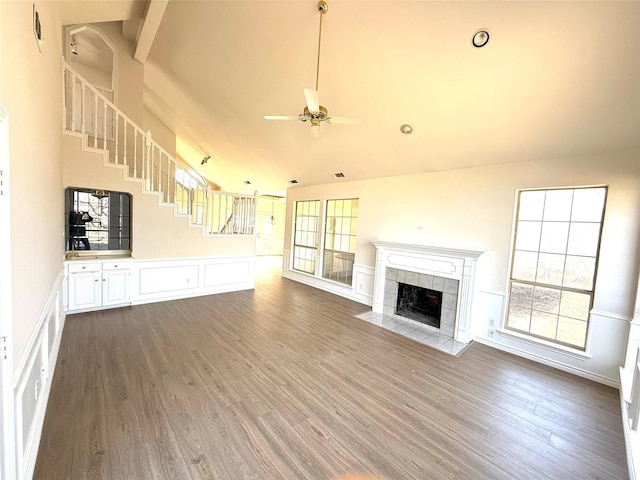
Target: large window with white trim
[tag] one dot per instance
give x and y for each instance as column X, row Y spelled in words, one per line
column 305, row 235
column 340, row 239
column 554, row 263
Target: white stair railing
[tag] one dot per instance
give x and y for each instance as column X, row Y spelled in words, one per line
column 91, row 113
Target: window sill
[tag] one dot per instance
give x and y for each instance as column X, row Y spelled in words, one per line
column 579, row 354
column 97, row 254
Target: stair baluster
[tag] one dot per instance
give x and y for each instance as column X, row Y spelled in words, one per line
column 131, row 148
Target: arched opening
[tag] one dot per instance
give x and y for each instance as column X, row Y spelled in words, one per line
column 92, row 54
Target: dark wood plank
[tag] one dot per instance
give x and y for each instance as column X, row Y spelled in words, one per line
column 284, row 383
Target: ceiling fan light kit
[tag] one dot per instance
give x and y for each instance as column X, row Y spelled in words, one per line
column 313, row 112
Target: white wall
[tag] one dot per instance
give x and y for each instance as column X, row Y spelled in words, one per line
column 31, row 94
column 157, row 232
column 96, row 77
column 473, row 209
column 159, row 132
column 30, row 91
column 129, row 80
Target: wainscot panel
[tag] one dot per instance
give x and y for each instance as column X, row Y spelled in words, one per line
column 32, row 379
column 228, row 272
column 360, row 291
column 158, row 280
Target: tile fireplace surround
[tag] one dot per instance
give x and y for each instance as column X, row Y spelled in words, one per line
column 424, row 263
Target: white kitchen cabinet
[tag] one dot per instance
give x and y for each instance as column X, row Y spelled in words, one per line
column 115, row 283
column 97, row 285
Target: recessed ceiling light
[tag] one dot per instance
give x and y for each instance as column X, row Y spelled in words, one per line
column 480, row 38
column 406, row 129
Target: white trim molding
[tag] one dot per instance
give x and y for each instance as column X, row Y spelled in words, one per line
column 550, row 362
column 32, row 381
column 361, row 289
column 159, row 280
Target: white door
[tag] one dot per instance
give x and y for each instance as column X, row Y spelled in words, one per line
column 265, row 235
column 7, row 427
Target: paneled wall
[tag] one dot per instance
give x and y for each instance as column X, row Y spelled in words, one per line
column 32, row 379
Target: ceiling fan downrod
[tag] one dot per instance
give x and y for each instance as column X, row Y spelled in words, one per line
column 322, row 8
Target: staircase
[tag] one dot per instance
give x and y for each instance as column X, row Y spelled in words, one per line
column 126, row 146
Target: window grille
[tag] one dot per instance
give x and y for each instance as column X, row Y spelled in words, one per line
column 554, row 263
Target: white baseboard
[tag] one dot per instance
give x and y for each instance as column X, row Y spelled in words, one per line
column 328, row 286
column 551, row 363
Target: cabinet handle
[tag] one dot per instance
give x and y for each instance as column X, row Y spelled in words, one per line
column 84, row 268
column 115, row 266
column 104, row 279
column 96, row 280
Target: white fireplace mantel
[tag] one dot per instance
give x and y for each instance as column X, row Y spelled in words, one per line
column 439, row 261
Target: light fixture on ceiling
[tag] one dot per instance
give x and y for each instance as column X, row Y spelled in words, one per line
column 74, row 45
column 338, row 175
column 293, row 181
column 205, row 160
column 406, row 129
column 99, row 194
column 480, row 38
column 247, row 182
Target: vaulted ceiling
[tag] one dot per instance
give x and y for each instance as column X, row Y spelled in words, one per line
column 556, row 79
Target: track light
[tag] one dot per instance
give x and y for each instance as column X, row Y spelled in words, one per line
column 205, row 160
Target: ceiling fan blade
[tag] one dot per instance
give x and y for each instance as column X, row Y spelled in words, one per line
column 313, row 99
column 345, row 120
column 315, row 131
column 282, row 117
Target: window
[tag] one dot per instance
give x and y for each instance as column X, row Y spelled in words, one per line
column 97, row 220
column 554, row 263
column 305, row 237
column 340, row 240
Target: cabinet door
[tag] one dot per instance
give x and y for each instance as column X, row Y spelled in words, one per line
column 84, row 290
column 115, row 287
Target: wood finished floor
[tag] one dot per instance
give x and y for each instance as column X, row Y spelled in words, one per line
column 283, row 383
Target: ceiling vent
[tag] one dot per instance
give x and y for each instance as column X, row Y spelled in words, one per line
column 338, row 175
column 293, row 181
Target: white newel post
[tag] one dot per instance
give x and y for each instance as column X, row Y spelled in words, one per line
column 450, row 263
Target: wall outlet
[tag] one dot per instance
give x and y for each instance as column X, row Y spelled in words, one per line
column 491, row 322
column 490, row 332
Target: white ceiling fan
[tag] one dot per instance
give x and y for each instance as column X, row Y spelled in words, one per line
column 313, row 112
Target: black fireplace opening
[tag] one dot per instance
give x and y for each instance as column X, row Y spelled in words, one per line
column 420, row 304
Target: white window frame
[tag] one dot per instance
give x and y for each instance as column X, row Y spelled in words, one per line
column 544, row 339
column 316, row 244
column 350, row 255
column 319, row 241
